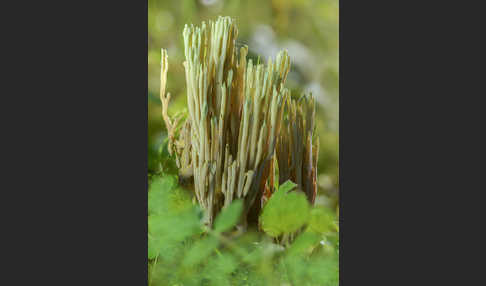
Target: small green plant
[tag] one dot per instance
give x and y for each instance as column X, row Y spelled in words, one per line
column 183, row 251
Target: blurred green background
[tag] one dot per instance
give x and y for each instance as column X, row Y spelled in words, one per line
column 308, row 29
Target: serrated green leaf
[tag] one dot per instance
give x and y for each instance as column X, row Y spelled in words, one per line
column 228, row 217
column 285, row 212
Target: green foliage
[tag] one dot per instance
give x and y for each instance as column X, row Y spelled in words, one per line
column 285, row 211
column 159, row 191
column 304, row 244
column 317, row 270
column 220, row 268
column 182, row 252
column 228, row 217
column 321, row 220
column 200, row 250
column 167, row 162
column 169, row 206
column 159, row 159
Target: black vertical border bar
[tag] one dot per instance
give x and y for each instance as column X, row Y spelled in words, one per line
column 79, row 147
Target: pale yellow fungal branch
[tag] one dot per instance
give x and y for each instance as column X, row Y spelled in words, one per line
column 165, row 98
column 177, row 144
column 164, row 66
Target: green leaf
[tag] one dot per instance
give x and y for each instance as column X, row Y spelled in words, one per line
column 324, row 270
column 219, row 268
column 172, row 217
column 287, row 186
column 285, row 212
column 158, row 194
column 321, row 220
column 166, row 231
column 304, row 243
column 228, row 217
column 200, row 251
